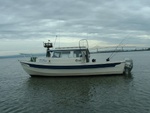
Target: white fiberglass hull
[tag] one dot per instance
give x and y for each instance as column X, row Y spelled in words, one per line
column 108, row 68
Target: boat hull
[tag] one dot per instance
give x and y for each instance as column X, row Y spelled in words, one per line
column 37, row 69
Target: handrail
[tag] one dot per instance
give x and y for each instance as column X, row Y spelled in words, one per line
column 85, row 41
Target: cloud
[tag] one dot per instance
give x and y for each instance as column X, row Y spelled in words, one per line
column 102, row 20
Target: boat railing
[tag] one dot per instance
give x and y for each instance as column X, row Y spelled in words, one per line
column 82, row 41
column 31, row 56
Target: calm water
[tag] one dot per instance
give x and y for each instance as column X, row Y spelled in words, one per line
column 19, row 93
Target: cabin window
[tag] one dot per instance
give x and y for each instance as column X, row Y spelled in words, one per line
column 77, row 53
column 65, row 54
column 61, row 54
column 70, row 54
column 56, row 54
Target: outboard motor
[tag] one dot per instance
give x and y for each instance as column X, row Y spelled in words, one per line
column 128, row 65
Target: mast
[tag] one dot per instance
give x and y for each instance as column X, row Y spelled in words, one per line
column 48, row 45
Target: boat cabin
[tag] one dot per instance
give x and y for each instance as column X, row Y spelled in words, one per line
column 77, row 53
column 67, row 54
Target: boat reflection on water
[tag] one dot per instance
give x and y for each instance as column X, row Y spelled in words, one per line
column 69, row 93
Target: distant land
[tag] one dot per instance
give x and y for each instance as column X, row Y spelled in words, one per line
column 122, row 50
column 19, row 56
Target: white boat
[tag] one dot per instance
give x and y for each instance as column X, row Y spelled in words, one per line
column 73, row 61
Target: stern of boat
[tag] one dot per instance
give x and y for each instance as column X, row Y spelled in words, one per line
column 128, row 66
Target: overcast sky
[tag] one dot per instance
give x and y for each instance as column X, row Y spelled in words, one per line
column 25, row 24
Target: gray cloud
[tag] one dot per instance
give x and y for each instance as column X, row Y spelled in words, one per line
column 105, row 20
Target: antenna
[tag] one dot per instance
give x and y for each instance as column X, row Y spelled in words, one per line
column 55, row 40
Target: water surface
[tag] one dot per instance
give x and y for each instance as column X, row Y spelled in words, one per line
column 20, row 93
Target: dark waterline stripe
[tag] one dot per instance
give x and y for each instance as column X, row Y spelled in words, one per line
column 74, row 67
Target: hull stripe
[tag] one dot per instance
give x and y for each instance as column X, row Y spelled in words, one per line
column 73, row 66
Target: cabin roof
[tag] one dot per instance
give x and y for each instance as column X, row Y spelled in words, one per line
column 69, row 49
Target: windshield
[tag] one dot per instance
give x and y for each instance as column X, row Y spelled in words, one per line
column 66, row 54
column 61, row 54
column 69, row 53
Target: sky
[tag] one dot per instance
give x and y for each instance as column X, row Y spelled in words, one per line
column 26, row 24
